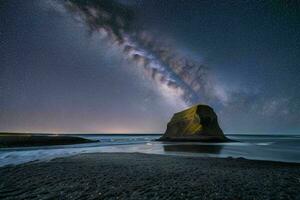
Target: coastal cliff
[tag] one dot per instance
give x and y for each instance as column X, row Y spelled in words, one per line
column 197, row 123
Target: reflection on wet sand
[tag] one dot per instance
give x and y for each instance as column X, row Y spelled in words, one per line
column 194, row 148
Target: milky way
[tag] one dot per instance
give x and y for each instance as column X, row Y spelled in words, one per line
column 173, row 72
column 156, row 57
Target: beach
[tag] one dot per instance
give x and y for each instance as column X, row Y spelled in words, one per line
column 146, row 176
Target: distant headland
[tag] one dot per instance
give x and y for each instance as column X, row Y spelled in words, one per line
column 27, row 140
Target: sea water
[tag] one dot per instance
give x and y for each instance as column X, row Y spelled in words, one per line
column 284, row 148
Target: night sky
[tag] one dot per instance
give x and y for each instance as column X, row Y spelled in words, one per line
column 126, row 66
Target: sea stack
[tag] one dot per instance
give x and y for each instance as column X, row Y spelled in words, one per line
column 197, row 123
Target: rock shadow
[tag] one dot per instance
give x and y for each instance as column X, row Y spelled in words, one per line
column 194, row 148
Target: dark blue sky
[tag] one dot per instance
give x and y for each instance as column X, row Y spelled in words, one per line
column 59, row 76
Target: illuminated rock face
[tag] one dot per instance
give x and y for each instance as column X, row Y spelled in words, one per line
column 198, row 123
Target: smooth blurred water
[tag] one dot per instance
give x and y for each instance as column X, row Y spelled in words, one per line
column 258, row 147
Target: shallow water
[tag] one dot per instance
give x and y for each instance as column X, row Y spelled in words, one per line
column 257, row 147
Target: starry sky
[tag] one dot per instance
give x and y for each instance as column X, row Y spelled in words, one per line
column 125, row 66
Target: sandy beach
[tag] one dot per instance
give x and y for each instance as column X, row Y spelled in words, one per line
column 144, row 176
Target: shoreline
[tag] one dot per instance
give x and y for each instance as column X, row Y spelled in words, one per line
column 284, row 162
column 144, row 176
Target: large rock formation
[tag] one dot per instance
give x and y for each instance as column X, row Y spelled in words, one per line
column 198, row 123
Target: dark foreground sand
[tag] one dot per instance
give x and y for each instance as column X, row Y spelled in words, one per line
column 141, row 176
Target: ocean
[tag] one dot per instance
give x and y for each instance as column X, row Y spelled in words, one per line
column 285, row 148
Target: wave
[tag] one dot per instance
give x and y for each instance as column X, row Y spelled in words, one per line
column 264, row 143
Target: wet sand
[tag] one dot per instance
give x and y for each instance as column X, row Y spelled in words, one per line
column 144, row 176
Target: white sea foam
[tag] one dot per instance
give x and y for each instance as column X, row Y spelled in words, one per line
column 264, row 143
